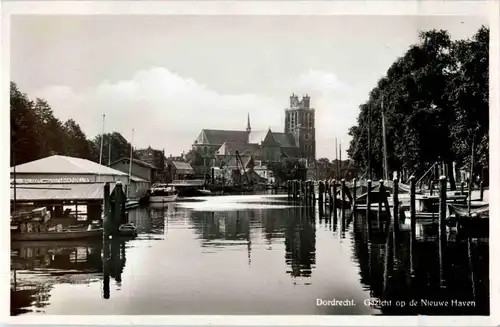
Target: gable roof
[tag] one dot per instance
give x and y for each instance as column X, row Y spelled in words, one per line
column 257, row 136
column 242, row 148
column 215, row 136
column 182, row 166
column 58, row 164
column 136, row 161
column 285, row 139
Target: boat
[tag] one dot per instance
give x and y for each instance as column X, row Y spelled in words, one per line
column 17, row 235
column 161, row 193
column 127, row 229
column 131, row 204
column 204, row 192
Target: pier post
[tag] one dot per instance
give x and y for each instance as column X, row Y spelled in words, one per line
column 106, row 212
column 368, row 197
column 118, row 213
column 462, row 188
column 442, row 204
column 481, row 191
column 327, row 191
column 395, row 204
column 442, row 226
column 321, row 190
column 106, row 268
column 431, row 188
column 368, row 207
column 412, row 225
column 342, row 197
column 334, row 203
column 381, row 191
column 354, row 189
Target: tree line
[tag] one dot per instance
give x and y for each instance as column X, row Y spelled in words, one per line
column 36, row 133
column 434, row 100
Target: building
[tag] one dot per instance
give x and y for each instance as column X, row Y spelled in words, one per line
column 142, row 175
column 156, row 158
column 297, row 141
column 138, row 168
column 57, row 181
column 179, row 170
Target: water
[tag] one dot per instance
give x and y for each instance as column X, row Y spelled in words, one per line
column 254, row 254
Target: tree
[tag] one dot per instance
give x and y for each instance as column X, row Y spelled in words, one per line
column 469, row 93
column 120, row 147
column 24, row 137
column 425, row 99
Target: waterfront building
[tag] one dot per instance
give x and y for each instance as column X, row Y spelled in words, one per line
column 155, row 158
column 58, row 181
column 179, row 170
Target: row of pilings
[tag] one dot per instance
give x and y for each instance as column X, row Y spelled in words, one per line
column 336, row 196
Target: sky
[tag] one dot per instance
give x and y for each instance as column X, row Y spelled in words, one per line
column 168, row 77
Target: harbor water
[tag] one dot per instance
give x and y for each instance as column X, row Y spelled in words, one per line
column 251, row 254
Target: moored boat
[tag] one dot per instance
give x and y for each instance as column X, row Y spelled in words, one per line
column 127, row 230
column 161, row 193
column 56, row 235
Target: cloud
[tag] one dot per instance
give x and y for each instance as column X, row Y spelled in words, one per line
column 320, row 82
column 167, row 111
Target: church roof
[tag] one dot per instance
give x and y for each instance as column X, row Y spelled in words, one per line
column 257, row 136
column 214, row 136
column 285, row 139
column 242, row 148
column 65, row 165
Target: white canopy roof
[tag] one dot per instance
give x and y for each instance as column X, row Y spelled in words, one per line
column 65, row 165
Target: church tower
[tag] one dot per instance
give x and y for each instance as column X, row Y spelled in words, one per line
column 299, row 121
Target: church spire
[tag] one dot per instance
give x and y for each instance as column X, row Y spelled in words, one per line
column 249, row 129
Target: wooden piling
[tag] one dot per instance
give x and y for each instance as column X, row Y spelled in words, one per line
column 431, row 188
column 354, row 189
column 326, row 193
column 413, row 238
column 380, row 200
column 106, row 212
column 106, row 273
column 118, row 207
column 342, row 197
column 395, row 206
column 462, row 188
column 321, row 190
column 334, row 203
column 481, row 191
column 442, row 226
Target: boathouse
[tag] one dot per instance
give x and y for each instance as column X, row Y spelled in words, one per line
column 179, row 170
column 59, row 181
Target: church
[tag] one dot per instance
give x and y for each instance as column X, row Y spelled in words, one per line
column 297, row 141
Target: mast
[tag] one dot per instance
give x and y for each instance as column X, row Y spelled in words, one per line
column 130, row 164
column 369, row 175
column 384, row 142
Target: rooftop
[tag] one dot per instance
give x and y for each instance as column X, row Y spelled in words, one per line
column 58, row 164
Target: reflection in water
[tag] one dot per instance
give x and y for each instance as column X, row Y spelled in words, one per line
column 37, row 266
column 300, row 244
column 274, row 259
